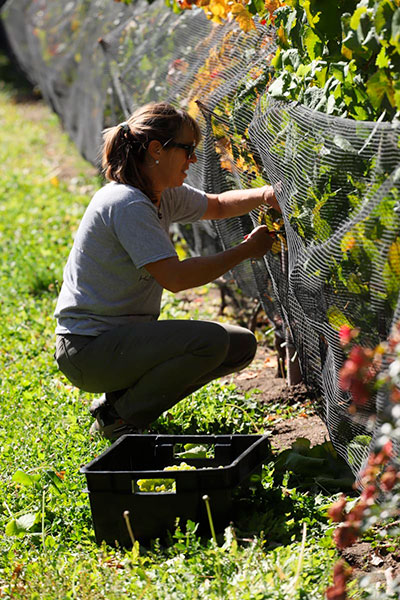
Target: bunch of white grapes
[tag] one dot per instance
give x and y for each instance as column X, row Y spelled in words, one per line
column 163, row 485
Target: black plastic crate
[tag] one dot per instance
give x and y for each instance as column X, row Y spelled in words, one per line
column 112, row 483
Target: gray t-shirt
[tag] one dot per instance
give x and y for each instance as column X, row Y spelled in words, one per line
column 105, row 283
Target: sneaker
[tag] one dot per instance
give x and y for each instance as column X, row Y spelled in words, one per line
column 108, row 423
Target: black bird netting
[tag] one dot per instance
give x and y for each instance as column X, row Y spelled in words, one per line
column 336, row 259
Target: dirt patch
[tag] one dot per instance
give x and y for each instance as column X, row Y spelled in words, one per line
column 381, row 566
column 273, row 390
column 286, row 432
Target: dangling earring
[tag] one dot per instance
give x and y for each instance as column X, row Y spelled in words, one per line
column 157, row 162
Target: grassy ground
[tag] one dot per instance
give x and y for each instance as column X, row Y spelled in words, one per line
column 282, row 545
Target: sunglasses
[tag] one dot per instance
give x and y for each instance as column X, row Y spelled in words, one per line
column 188, row 148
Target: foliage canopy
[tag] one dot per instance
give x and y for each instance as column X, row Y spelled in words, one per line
column 340, row 58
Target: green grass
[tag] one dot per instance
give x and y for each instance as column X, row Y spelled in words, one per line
column 282, row 547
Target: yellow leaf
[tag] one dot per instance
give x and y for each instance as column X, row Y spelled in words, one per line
column 276, row 247
column 356, row 16
column 275, row 59
column 264, row 218
column 348, row 242
column 226, row 163
column 312, row 19
column 336, row 318
column 382, row 60
column 282, row 240
column 394, row 257
column 218, row 9
column 193, row 109
column 347, row 53
column 241, row 163
column 243, row 17
column 379, row 85
column 282, row 35
column 271, row 6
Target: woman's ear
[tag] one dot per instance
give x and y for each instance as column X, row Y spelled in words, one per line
column 154, row 149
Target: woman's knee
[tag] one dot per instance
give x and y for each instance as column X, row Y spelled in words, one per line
column 251, row 345
column 243, row 346
column 212, row 340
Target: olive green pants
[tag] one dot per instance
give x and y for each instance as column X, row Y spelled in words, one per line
column 144, row 368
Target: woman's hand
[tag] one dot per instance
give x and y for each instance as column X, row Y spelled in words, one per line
column 269, row 197
column 259, row 241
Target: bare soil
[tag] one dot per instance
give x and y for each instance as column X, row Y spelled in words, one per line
column 272, row 390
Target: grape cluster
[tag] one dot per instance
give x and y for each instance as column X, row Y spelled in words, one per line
column 163, row 485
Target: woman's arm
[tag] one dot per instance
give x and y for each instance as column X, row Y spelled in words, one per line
column 175, row 275
column 239, row 202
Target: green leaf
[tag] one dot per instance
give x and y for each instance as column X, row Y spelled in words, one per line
column 333, row 483
column 331, row 104
column 307, row 465
column 336, row 318
column 358, row 447
column 383, row 17
column 193, row 451
column 23, row 524
column 301, row 444
column 25, row 479
column 54, row 479
column 395, row 34
column 396, row 174
column 276, row 61
column 283, row 85
column 379, row 86
column 320, row 76
column 344, row 144
column 355, row 285
column 290, row 23
column 339, row 70
column 145, row 64
column 291, row 59
column 303, row 71
column 256, row 7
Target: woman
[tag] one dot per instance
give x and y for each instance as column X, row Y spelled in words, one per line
column 108, row 337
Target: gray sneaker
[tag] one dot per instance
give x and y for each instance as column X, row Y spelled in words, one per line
column 108, row 423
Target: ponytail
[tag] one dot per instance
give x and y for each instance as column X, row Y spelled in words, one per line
column 125, row 145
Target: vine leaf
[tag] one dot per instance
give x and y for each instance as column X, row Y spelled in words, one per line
column 344, row 144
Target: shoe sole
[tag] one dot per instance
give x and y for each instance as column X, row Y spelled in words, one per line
column 112, row 432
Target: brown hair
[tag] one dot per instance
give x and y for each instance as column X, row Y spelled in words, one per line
column 125, row 145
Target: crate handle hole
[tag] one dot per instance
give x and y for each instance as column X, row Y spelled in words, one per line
column 196, row 450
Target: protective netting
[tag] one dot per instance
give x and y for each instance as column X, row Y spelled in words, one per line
column 337, row 181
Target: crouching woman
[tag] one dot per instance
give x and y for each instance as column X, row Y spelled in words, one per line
column 109, row 337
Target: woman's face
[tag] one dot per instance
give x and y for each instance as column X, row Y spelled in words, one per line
column 174, row 162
